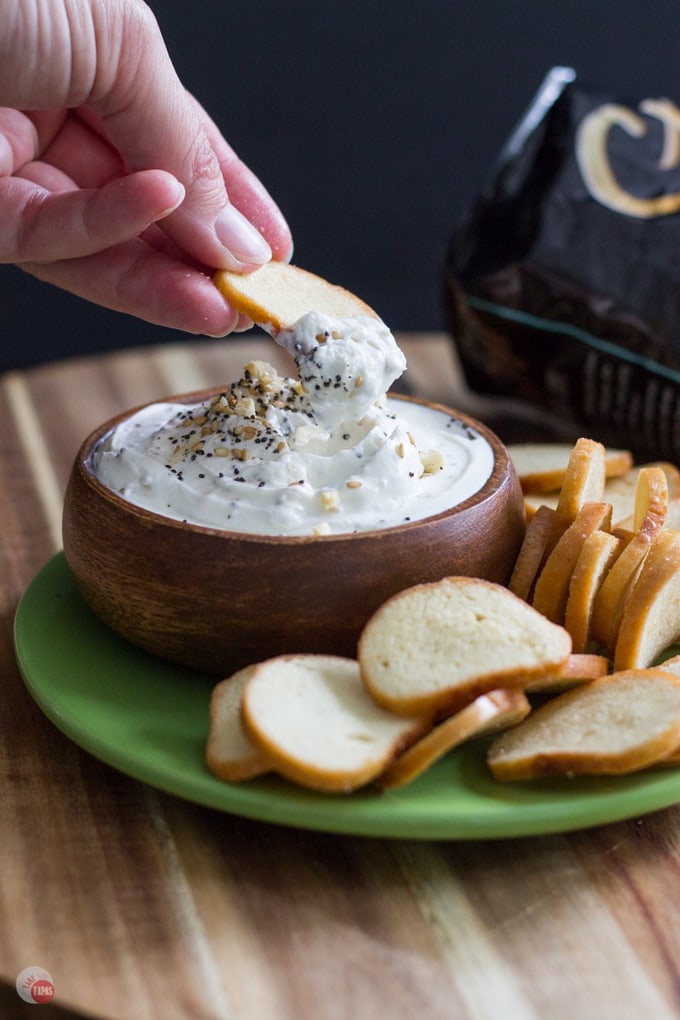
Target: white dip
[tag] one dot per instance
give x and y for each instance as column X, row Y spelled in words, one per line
column 326, row 453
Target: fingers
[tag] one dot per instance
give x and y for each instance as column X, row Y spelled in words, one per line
column 247, row 192
column 18, row 140
column 58, row 138
column 39, row 225
column 153, row 122
column 77, row 149
column 81, row 192
column 249, row 196
column 150, row 284
column 133, row 114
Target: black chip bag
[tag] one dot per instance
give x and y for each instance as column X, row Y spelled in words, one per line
column 562, row 283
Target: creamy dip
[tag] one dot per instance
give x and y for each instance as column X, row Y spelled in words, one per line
column 325, row 453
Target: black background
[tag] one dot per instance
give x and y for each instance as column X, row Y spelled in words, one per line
column 372, row 123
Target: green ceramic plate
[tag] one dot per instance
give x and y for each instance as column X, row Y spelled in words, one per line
column 149, row 719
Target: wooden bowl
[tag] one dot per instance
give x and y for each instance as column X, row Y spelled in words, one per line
column 217, row 600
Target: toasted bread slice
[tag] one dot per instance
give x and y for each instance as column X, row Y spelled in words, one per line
column 435, row 647
column 611, row 599
column 619, row 724
column 552, row 586
column 671, row 760
column 277, row 294
column 651, row 620
column 624, row 534
column 580, row 668
column 532, row 553
column 311, row 716
column 584, row 481
column 672, row 519
column 541, row 467
column 670, row 665
column 229, row 753
column 594, row 562
column 673, row 513
column 651, row 499
column 619, row 491
column 622, row 492
column 486, row 714
column 651, row 502
column 534, row 501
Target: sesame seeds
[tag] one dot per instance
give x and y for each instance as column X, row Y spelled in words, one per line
column 235, row 423
column 256, row 457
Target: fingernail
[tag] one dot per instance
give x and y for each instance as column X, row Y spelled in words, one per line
column 181, row 195
column 240, row 237
column 232, row 327
column 243, row 324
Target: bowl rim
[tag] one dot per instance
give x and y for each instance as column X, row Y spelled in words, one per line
column 502, row 465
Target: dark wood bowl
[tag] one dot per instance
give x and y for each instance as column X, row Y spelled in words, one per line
column 217, row 600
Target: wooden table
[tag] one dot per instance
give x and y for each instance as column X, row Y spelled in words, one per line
column 141, row 905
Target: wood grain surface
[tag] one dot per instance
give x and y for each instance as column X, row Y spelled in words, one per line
column 143, row 906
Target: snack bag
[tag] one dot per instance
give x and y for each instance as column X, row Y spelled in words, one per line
column 562, row 283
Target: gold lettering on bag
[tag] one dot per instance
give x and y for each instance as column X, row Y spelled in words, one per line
column 593, row 158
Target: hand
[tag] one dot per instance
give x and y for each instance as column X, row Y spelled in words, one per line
column 114, row 182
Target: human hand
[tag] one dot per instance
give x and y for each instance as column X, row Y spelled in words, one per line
column 114, row 182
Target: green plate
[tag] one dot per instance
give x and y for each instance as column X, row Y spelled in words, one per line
column 150, row 720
